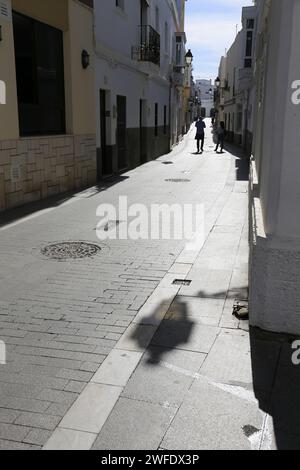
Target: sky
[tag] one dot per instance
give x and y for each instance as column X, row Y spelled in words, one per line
column 211, row 28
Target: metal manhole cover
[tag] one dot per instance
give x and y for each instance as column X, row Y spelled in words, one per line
column 70, row 250
column 178, row 181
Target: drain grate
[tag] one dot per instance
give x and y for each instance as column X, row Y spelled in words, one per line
column 178, row 181
column 182, row 282
column 70, row 250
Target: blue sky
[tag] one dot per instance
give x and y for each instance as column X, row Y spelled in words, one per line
column 211, row 28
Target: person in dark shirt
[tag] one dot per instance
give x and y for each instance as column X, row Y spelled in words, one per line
column 200, row 136
column 221, row 135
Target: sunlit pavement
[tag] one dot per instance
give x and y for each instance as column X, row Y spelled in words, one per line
column 106, row 352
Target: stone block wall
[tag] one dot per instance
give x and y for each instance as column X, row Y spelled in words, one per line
column 36, row 168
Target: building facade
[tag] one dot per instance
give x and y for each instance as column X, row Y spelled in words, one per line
column 140, row 81
column 275, row 188
column 47, row 131
column 205, row 92
column 235, row 97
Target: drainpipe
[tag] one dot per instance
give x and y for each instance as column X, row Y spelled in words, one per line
column 170, row 114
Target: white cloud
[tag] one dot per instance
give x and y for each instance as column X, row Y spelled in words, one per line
column 211, row 34
column 211, row 29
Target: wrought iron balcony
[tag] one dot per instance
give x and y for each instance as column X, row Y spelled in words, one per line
column 149, row 48
column 179, row 76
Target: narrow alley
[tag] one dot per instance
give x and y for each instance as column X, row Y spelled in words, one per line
column 149, row 237
column 62, row 319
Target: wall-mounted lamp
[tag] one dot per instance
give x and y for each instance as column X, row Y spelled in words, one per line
column 189, row 57
column 85, row 59
column 217, row 82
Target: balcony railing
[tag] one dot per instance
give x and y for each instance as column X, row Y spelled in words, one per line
column 149, row 48
column 179, row 76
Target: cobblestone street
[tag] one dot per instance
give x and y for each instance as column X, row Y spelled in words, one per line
column 149, row 237
column 60, row 319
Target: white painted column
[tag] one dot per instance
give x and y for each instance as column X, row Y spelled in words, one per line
column 275, row 253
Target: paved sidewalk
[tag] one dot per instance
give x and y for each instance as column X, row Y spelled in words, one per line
column 143, row 388
column 106, row 352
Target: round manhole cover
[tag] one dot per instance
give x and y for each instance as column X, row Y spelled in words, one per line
column 70, row 250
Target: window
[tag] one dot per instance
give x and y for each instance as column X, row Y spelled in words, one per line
column 250, row 23
column 120, row 4
column 249, row 43
column 40, row 77
column 167, row 39
column 248, row 63
column 178, row 50
column 156, row 120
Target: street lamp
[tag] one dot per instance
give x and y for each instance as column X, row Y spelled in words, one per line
column 217, row 82
column 189, row 57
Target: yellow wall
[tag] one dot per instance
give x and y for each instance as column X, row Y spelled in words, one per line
column 9, row 121
column 52, row 12
column 76, row 21
column 80, row 97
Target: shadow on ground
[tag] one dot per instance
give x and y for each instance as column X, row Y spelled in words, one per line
column 13, row 215
column 276, row 384
column 240, row 293
column 242, row 162
column 172, row 332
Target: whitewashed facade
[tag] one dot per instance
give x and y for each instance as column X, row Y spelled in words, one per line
column 139, row 94
column 275, row 187
column 205, row 89
column 236, row 88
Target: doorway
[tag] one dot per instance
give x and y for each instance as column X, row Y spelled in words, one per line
column 121, row 133
column 106, row 160
column 143, row 131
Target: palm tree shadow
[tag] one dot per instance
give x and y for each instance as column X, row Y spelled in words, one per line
column 175, row 330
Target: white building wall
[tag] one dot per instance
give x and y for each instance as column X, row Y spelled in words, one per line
column 275, row 193
column 205, row 89
column 237, row 84
column 116, row 33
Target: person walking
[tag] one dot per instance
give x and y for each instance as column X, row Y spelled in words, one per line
column 221, row 135
column 200, row 136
